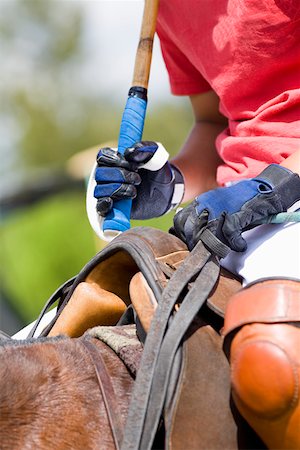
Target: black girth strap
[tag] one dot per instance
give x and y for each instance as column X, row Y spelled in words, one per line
column 107, row 391
column 163, row 340
column 60, row 293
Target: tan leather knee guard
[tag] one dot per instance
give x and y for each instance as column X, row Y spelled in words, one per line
column 262, row 340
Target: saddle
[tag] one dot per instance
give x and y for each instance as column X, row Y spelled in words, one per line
column 128, row 282
column 100, row 293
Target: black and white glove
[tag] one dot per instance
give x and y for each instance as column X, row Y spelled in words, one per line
column 228, row 211
column 142, row 174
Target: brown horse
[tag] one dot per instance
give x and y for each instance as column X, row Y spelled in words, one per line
column 74, row 392
column 55, row 393
column 50, row 396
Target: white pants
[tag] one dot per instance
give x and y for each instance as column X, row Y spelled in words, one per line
column 273, row 251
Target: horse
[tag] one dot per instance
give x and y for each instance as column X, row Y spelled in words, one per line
column 50, row 396
column 68, row 388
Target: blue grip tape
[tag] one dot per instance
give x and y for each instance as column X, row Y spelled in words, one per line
column 131, row 131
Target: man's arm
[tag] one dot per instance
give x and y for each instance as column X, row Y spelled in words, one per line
column 292, row 162
column 198, row 159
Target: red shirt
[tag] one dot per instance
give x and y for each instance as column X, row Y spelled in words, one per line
column 248, row 52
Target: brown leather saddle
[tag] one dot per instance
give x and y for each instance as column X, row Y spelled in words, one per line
column 100, row 293
column 177, row 300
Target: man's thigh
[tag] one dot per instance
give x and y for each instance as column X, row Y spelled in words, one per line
column 273, row 251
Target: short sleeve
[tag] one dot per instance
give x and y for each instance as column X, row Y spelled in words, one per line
column 184, row 78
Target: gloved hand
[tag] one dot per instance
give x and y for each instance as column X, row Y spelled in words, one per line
column 142, row 174
column 228, row 211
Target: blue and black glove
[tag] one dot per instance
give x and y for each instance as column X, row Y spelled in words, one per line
column 143, row 174
column 228, row 211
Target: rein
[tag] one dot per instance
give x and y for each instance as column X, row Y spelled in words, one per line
column 107, row 391
column 167, row 331
column 165, row 336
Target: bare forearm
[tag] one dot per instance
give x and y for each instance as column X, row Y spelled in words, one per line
column 293, row 162
column 198, row 159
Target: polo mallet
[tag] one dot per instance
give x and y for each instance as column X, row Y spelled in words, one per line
column 131, row 129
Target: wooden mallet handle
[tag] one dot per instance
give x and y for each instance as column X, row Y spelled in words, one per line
column 144, row 51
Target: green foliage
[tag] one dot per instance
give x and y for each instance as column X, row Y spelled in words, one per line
column 162, row 223
column 41, row 99
column 42, row 247
column 169, row 125
column 29, row 26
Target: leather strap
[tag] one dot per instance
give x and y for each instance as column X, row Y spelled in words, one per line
column 59, row 294
column 270, row 301
column 161, row 346
column 107, row 391
column 172, row 341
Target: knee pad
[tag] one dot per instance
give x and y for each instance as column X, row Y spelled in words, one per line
column 262, row 342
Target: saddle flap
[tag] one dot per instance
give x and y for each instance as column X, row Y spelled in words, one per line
column 143, row 300
column 227, row 286
column 200, row 404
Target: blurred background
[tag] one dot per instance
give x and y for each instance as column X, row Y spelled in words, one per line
column 66, row 70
